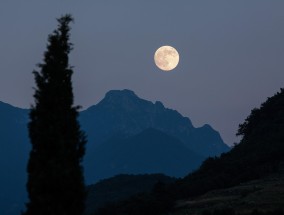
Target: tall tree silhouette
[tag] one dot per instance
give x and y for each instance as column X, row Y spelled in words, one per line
column 55, row 179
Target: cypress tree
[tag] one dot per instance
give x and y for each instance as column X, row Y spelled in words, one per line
column 55, row 177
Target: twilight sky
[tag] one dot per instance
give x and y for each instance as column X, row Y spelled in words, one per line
column 231, row 53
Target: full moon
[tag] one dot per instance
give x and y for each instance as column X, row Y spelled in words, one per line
column 166, row 58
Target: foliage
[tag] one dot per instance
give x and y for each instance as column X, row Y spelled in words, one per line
column 55, row 180
column 159, row 201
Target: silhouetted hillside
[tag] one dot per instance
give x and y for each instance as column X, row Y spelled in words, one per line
column 259, row 153
column 265, row 194
column 120, row 188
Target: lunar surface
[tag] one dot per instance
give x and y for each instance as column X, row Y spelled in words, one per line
column 166, row 58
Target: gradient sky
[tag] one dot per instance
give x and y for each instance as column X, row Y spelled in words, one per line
column 231, row 53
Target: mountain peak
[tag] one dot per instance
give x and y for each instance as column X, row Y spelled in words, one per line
column 125, row 99
column 159, row 104
column 119, row 96
column 120, row 93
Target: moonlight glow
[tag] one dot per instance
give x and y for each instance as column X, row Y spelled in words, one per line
column 166, row 58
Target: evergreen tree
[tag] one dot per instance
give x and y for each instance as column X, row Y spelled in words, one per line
column 55, row 178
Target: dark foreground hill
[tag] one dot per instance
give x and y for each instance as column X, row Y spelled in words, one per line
column 266, row 194
column 120, row 188
column 256, row 197
column 259, row 155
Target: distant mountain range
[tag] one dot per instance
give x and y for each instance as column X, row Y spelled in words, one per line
column 122, row 115
column 126, row 134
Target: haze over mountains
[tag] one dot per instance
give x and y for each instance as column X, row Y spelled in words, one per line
column 126, row 134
